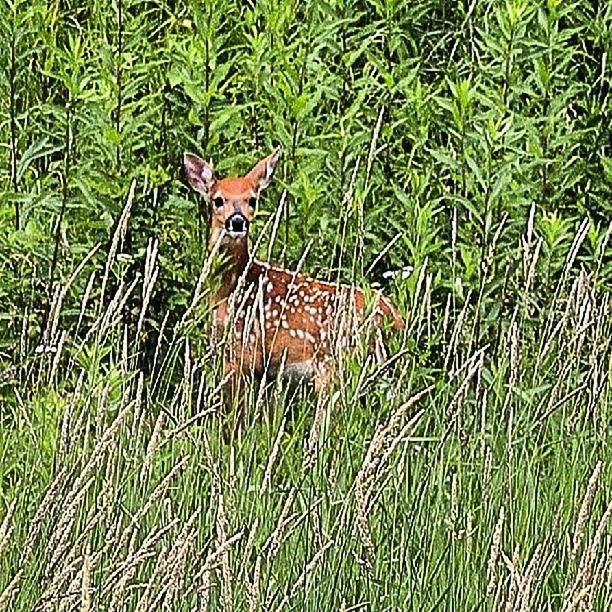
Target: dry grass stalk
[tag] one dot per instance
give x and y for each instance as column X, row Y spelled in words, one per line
column 453, row 344
column 374, row 142
column 65, row 438
column 600, row 570
column 514, row 580
column 57, row 355
column 588, row 574
column 7, row 594
column 314, row 436
column 50, row 333
column 119, row 589
column 173, row 433
column 60, row 539
column 123, row 571
column 6, row 527
column 523, row 585
column 118, row 238
column 67, row 580
column 446, row 317
column 416, row 301
column 474, row 366
column 187, row 381
column 226, row 573
column 581, row 234
column 113, row 315
column 86, row 584
column 134, row 554
column 108, row 492
column 375, row 450
column 248, row 547
column 585, row 507
column 57, row 595
column 368, row 377
column 151, row 272
column 303, row 578
column 156, row 494
column 276, row 537
column 213, row 559
column 267, row 477
column 373, row 464
column 204, row 590
column 487, row 470
column 345, row 212
column 51, row 497
column 531, row 272
column 550, row 338
column 152, row 446
column 99, row 451
column 403, row 434
column 278, row 215
column 85, row 301
column 168, row 575
column 253, row 587
column 494, row 553
column 361, row 524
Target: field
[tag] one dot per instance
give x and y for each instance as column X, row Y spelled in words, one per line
column 468, row 140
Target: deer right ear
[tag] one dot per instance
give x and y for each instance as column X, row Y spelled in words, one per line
column 199, row 173
column 262, row 172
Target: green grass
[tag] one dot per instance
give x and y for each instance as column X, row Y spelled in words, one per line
column 475, row 473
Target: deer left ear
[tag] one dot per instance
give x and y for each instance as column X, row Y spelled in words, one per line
column 199, row 173
column 262, row 172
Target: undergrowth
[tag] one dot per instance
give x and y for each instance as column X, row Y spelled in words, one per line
column 469, row 141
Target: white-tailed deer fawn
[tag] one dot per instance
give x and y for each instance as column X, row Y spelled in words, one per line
column 280, row 318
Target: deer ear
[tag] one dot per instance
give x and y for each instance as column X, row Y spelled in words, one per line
column 262, row 172
column 199, row 173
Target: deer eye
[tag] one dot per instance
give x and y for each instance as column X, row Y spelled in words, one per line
column 252, row 202
column 218, row 202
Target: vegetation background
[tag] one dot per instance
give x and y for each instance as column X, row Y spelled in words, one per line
column 469, row 140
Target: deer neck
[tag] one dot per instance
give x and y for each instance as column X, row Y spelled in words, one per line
column 234, row 258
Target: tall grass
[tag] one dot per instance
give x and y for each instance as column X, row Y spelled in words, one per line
column 468, row 140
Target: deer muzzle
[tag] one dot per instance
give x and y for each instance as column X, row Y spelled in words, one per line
column 236, row 225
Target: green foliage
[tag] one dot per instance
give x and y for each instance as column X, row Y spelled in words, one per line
column 471, row 137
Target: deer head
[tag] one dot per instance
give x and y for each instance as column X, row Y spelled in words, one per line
column 232, row 200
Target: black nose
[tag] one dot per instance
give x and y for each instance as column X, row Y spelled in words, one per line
column 236, row 223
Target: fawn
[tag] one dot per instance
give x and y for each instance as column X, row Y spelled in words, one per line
column 280, row 319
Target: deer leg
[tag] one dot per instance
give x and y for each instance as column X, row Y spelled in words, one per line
column 322, row 378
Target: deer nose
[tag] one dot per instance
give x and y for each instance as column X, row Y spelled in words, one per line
column 236, row 224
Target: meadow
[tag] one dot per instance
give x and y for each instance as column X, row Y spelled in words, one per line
column 469, row 140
